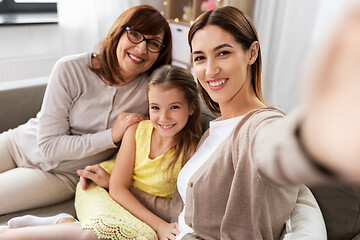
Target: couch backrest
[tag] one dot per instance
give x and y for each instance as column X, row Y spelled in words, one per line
column 20, row 101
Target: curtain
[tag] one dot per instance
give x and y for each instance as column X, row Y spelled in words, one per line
column 289, row 31
column 83, row 23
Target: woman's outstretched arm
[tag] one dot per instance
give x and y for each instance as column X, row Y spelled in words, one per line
column 320, row 141
column 330, row 130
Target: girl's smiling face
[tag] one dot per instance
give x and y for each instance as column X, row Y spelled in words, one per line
column 169, row 110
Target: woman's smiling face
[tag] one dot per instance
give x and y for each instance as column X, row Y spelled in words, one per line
column 135, row 59
column 220, row 63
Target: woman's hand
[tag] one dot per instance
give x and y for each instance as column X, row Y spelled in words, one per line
column 122, row 122
column 331, row 127
column 96, row 174
column 168, row 231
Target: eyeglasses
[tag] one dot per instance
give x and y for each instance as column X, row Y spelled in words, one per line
column 137, row 37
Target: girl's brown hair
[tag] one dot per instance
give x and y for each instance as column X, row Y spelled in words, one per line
column 169, row 77
column 238, row 24
column 143, row 18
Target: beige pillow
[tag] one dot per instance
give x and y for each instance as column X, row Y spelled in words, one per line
column 306, row 221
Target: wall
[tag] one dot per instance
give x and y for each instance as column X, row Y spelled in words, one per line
column 23, row 46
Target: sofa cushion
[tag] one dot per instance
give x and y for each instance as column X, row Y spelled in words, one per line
column 66, row 207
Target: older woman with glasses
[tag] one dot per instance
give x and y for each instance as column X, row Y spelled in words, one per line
column 90, row 100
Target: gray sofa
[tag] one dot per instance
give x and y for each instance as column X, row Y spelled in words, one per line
column 21, row 100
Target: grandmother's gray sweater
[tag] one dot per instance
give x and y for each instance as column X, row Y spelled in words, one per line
column 73, row 128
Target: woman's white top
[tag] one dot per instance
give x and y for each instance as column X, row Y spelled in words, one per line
column 218, row 131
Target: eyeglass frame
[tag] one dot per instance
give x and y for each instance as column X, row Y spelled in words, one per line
column 128, row 29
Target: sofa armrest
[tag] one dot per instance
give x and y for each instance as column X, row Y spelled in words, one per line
column 357, row 237
column 340, row 206
column 20, row 101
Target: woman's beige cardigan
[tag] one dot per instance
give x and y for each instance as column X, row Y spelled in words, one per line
column 240, row 192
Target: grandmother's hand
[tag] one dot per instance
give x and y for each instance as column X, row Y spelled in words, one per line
column 331, row 128
column 96, row 174
column 123, row 121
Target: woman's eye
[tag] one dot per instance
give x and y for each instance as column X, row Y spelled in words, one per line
column 199, row 58
column 175, row 107
column 154, row 108
column 134, row 34
column 155, row 44
column 223, row 53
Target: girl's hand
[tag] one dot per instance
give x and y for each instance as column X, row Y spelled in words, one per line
column 168, row 231
column 96, row 174
column 122, row 122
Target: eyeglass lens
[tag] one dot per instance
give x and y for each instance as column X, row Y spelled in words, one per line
column 137, row 37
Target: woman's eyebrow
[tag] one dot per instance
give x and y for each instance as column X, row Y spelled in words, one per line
column 196, row 52
column 215, row 49
column 222, row 45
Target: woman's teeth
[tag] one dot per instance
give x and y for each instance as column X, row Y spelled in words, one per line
column 135, row 58
column 217, row 83
column 167, row 126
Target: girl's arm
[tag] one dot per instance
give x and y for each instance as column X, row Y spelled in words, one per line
column 120, row 181
column 158, row 205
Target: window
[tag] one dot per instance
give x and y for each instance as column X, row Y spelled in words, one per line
column 27, row 6
column 15, row 12
column 35, row 1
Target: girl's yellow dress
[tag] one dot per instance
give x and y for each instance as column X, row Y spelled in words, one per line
column 95, row 208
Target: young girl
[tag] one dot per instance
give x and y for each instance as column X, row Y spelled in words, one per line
column 151, row 155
